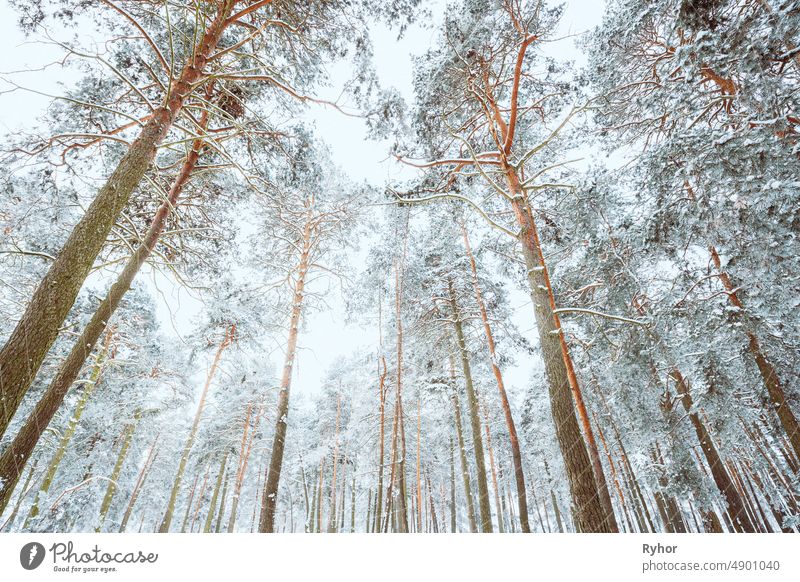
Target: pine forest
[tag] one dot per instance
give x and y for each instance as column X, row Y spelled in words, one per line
column 364, row 266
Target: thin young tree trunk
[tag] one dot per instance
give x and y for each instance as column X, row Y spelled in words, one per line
column 140, row 480
column 473, row 525
column 472, row 402
column 199, row 503
column 504, row 507
column 536, row 505
column 353, row 504
column 319, row 494
column 305, row 493
column 37, row 329
column 419, row 454
column 332, row 519
column 403, row 491
column 381, row 438
column 401, row 509
column 255, row 503
column 270, row 498
column 588, row 487
column 222, row 503
column 244, row 459
column 312, row 523
column 516, row 455
column 127, row 438
column 69, row 432
column 215, row 495
column 393, row 464
column 189, row 503
column 434, row 519
column 340, row 523
column 187, row 449
column 557, row 511
column 412, row 502
column 367, row 523
column 546, row 516
column 22, row 494
column 19, row 451
column 496, row 488
column 452, row 488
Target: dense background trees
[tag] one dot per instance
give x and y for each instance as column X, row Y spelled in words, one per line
column 575, row 290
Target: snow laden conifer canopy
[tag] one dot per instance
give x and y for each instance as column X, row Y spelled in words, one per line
column 328, row 266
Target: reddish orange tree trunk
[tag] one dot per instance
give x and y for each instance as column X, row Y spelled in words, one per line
column 593, row 509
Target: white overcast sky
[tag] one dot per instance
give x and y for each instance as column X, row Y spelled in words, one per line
column 325, row 337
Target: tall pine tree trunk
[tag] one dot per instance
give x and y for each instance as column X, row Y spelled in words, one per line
column 37, row 329
column 720, row 474
column 473, row 524
column 516, row 455
column 270, row 498
column 588, row 488
column 766, row 369
column 401, row 511
column 19, row 451
column 474, row 415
